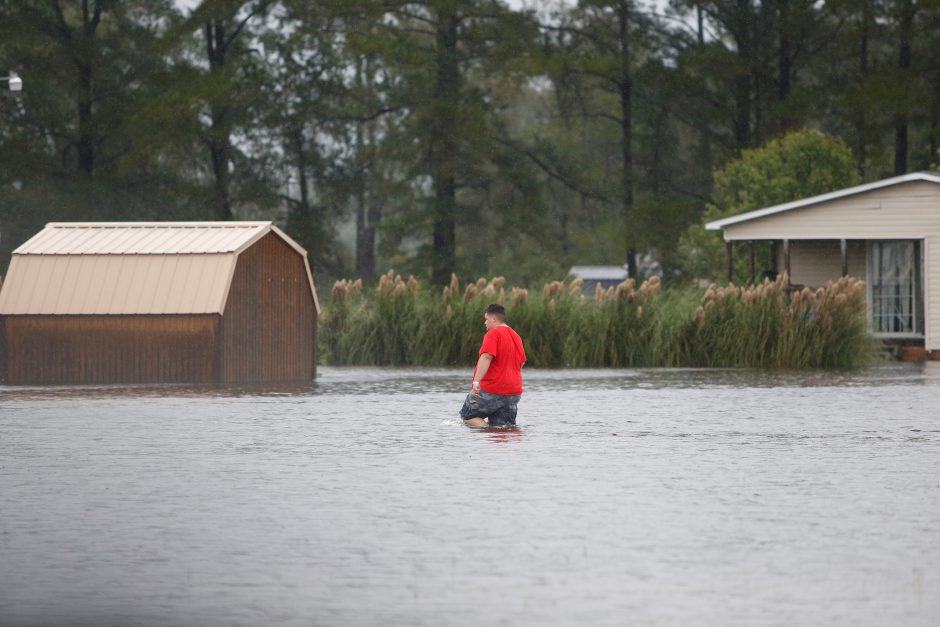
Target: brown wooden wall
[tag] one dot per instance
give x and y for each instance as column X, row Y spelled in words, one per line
column 269, row 323
column 3, row 351
column 50, row 350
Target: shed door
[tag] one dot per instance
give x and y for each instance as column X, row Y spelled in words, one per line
column 894, row 269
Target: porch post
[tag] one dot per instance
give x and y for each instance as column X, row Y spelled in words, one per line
column 786, row 259
column 730, row 260
column 772, row 256
column 750, row 259
column 845, row 257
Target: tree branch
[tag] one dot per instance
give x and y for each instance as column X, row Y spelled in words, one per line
column 96, row 16
column 554, row 172
column 64, row 29
column 258, row 8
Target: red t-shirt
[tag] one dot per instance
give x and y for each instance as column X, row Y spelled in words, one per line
column 504, row 376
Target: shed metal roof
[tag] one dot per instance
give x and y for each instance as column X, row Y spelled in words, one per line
column 131, row 267
column 143, row 238
column 599, row 273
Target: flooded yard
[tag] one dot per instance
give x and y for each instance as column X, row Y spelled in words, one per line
column 640, row 497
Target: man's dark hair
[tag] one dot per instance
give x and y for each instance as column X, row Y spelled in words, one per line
column 495, row 309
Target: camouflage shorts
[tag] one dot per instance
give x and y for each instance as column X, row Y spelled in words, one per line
column 499, row 410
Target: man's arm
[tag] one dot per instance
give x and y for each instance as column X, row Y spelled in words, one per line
column 483, row 364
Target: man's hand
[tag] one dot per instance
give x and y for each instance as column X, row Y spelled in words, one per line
column 483, row 364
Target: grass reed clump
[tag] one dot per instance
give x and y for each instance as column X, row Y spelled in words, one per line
column 771, row 326
column 765, row 326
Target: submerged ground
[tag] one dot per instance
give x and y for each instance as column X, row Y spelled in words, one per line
column 668, row 497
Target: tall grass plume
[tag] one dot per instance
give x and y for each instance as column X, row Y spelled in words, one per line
column 399, row 322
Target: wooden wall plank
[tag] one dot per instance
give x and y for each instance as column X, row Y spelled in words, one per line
column 97, row 349
column 269, row 322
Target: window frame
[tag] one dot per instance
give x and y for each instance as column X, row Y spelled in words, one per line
column 917, row 313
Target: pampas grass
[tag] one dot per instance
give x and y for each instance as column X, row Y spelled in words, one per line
column 398, row 322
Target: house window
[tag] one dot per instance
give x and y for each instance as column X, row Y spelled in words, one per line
column 893, row 274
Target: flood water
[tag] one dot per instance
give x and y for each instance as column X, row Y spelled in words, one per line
column 650, row 497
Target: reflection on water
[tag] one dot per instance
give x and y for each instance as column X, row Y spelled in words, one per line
column 672, row 497
column 500, row 434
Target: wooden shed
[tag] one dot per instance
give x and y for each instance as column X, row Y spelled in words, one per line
column 886, row 232
column 166, row 302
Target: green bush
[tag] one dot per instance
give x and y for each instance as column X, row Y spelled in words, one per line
column 798, row 165
column 762, row 326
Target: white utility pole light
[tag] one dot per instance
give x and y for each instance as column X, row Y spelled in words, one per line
column 16, row 83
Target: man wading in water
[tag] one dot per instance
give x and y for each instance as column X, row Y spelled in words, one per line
column 497, row 378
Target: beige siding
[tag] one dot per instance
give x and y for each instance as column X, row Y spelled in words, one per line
column 905, row 211
column 116, row 284
column 814, row 262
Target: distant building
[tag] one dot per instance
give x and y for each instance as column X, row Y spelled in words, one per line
column 605, row 276
column 886, row 233
column 181, row 302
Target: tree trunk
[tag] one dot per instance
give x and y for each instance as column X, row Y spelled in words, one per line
column 87, row 133
column 861, row 119
column 86, row 126
column 742, row 120
column 656, row 171
column 297, row 141
column 625, row 81
column 365, row 236
column 700, row 16
column 904, row 66
column 563, row 225
column 444, row 144
column 373, row 217
column 742, row 83
column 365, row 215
column 368, row 209
column 934, row 121
column 219, row 137
column 304, row 219
column 219, row 153
column 784, row 65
